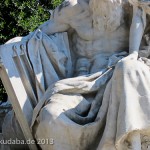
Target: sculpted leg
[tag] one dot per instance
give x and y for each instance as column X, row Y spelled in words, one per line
column 63, row 133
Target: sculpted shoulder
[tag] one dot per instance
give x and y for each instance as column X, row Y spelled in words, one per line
column 69, row 8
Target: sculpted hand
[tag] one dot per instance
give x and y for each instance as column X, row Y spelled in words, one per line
column 132, row 56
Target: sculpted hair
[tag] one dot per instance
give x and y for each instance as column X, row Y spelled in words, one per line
column 107, row 14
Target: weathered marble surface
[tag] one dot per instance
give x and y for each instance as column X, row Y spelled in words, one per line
column 5, row 107
column 96, row 97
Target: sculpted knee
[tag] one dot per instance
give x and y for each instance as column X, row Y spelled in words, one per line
column 125, row 65
column 51, row 112
column 46, row 114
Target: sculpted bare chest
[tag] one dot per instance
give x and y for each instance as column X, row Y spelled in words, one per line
column 99, row 31
column 106, row 43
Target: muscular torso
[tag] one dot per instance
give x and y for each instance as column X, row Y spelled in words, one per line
column 109, row 43
column 91, row 39
column 88, row 40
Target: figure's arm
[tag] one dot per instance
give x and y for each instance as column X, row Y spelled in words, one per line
column 51, row 26
column 59, row 21
column 136, row 30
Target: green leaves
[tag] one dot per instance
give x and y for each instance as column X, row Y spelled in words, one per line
column 56, row 2
column 19, row 17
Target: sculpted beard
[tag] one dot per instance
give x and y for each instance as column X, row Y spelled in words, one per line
column 107, row 14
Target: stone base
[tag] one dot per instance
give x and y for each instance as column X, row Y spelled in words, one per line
column 4, row 109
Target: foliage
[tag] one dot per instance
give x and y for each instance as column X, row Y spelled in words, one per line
column 56, row 3
column 19, row 17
